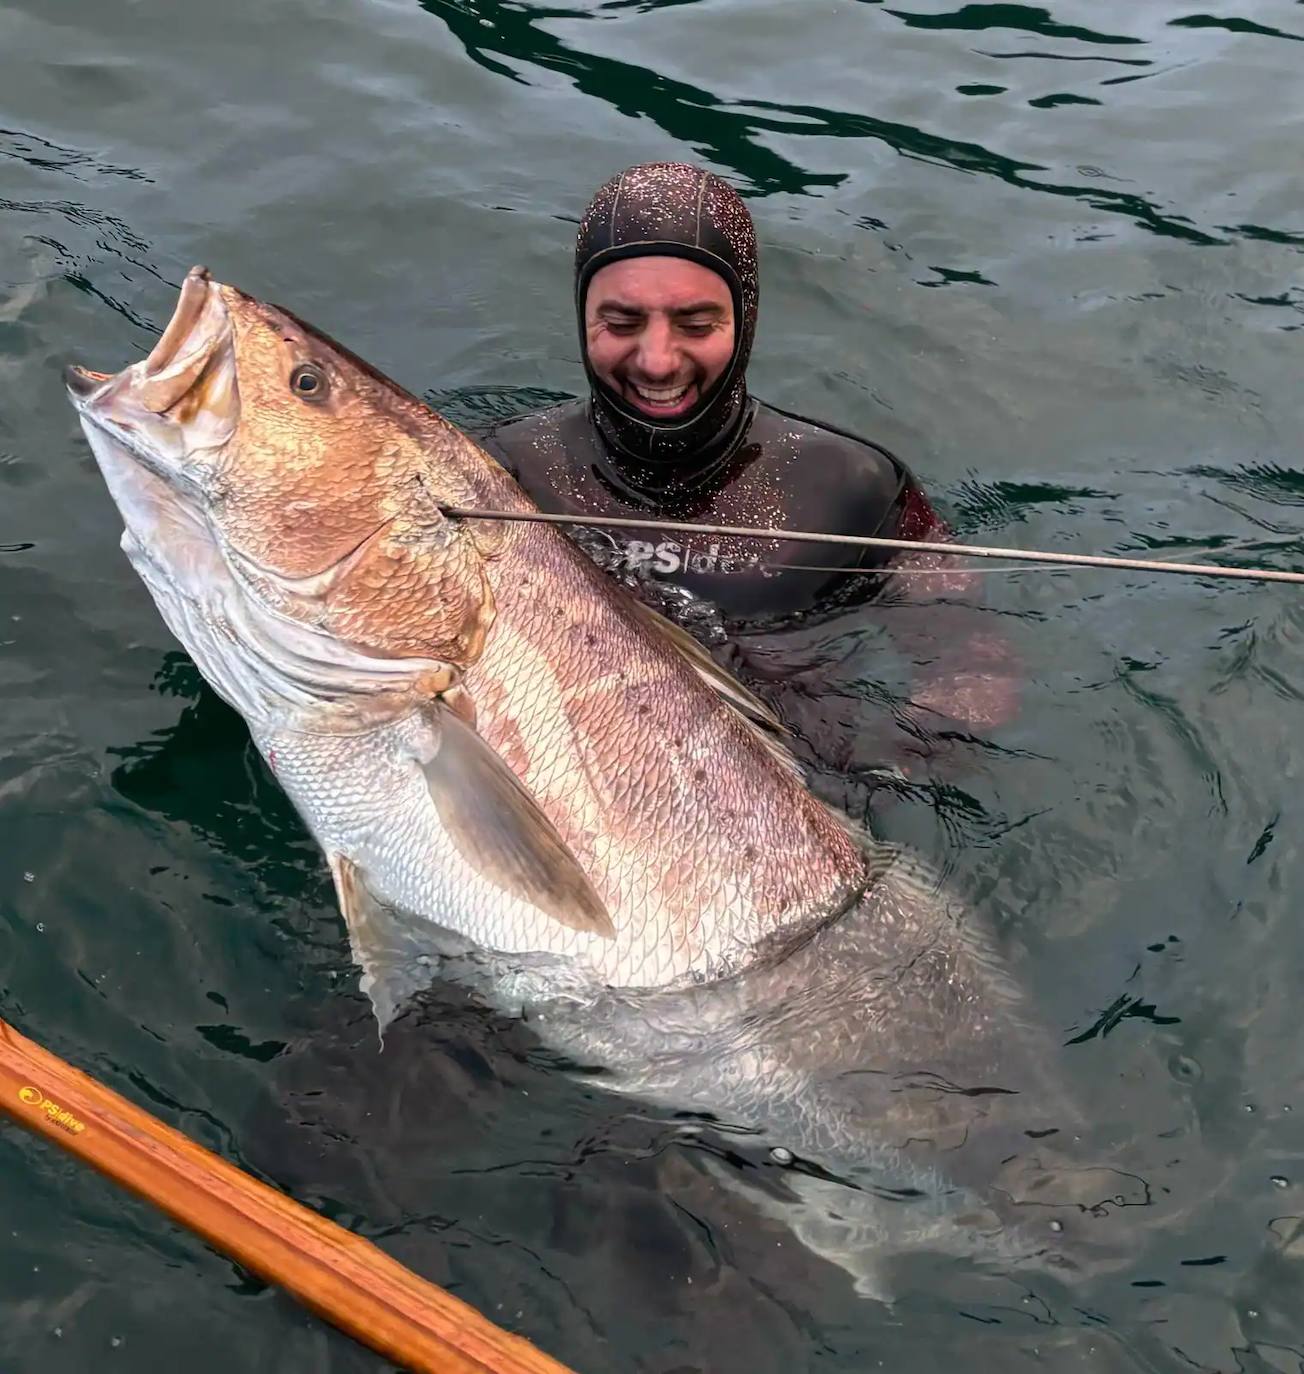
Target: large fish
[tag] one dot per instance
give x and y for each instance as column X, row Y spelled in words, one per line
column 518, row 772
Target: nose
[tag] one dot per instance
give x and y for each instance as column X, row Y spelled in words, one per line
column 657, row 355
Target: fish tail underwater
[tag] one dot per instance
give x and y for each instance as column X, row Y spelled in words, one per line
column 892, row 1066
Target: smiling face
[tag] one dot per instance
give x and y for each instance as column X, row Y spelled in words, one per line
column 659, row 332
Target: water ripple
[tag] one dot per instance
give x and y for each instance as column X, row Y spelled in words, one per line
column 1026, row 18
column 1209, row 21
column 46, row 156
column 728, row 131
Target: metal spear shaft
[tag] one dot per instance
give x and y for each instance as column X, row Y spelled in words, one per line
column 1042, row 556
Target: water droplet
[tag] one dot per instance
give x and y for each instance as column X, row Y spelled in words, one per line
column 115, row 1342
column 781, row 1156
column 1286, row 1108
column 58, row 1331
column 1280, row 1181
column 1057, row 1226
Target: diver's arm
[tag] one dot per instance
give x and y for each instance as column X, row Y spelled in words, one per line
column 965, row 669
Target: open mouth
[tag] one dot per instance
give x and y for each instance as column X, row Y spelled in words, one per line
column 662, row 401
column 183, row 396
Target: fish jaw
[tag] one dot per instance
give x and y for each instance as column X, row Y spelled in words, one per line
column 159, row 431
column 177, row 408
column 154, row 429
column 323, row 481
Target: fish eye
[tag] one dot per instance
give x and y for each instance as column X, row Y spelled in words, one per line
column 308, row 381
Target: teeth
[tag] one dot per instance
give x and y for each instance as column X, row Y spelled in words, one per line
column 661, row 395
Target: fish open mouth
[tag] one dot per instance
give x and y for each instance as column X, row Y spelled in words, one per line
column 181, row 399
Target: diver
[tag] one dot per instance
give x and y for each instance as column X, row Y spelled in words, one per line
column 666, row 294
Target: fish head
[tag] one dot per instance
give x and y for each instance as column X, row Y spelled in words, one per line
column 284, row 500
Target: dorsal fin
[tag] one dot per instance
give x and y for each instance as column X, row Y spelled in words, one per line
column 767, row 728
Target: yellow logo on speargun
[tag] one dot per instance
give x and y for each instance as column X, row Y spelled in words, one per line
column 34, row 1097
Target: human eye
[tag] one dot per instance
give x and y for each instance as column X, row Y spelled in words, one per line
column 698, row 326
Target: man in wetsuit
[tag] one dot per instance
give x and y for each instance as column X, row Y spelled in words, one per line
column 666, row 293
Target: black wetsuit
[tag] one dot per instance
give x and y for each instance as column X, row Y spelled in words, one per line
column 776, row 470
column 731, row 461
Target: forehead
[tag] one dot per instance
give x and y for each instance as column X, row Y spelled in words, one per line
column 657, row 283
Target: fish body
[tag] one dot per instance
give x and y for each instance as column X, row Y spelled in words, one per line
column 514, row 767
column 481, row 731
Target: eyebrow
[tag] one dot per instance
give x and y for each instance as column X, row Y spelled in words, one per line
column 681, row 312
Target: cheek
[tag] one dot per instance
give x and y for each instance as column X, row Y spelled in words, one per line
column 605, row 352
column 713, row 354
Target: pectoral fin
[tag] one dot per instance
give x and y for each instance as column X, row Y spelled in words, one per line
column 500, row 830
column 396, row 963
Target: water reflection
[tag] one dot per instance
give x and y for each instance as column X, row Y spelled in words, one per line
column 1232, row 25
column 688, row 114
column 730, row 133
column 56, row 157
column 203, row 771
column 106, row 232
column 644, row 6
column 1071, row 57
column 1270, row 482
column 476, row 408
column 1026, row 18
column 1265, row 235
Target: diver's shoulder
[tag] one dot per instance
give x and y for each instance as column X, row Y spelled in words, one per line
column 545, row 417
column 858, row 456
column 522, row 438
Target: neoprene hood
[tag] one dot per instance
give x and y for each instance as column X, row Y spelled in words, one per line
column 676, row 210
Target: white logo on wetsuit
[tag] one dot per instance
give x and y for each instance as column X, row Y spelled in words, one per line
column 664, row 559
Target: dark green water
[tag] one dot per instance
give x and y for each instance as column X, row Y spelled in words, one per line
column 1052, row 257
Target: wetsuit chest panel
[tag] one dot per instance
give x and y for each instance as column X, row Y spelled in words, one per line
column 785, row 473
